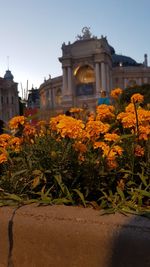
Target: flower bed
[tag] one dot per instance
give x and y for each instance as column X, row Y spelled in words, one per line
column 100, row 159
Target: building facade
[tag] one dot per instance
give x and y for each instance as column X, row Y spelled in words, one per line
column 89, row 65
column 9, row 100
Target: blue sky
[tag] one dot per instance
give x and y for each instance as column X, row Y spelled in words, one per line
column 32, row 32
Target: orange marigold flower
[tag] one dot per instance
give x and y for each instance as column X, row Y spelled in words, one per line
column 130, row 108
column 29, row 130
column 95, row 128
column 104, row 112
column 91, row 116
column 105, row 148
column 41, row 123
column 111, row 137
column 144, row 132
column 118, row 150
column 112, row 164
column 15, row 122
column 137, row 98
column 15, row 143
column 3, row 157
column 81, row 157
column 67, row 126
column 79, row 146
column 4, row 138
column 115, row 93
column 139, row 151
column 76, row 110
column 55, row 120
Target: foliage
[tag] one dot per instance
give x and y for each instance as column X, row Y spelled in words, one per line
column 143, row 89
column 102, row 157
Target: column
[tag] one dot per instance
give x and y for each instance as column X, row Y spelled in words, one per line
column 139, row 81
column 125, row 82
column 108, row 79
column 103, row 76
column 69, row 91
column 64, row 81
column 97, row 74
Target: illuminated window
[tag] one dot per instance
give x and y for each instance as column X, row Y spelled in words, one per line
column 85, row 74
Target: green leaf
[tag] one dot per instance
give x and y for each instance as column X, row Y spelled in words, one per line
column 121, row 194
column 81, row 196
column 19, row 172
column 13, row 197
column 143, row 192
column 142, row 177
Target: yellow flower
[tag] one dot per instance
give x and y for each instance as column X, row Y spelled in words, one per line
column 137, row 98
column 115, row 93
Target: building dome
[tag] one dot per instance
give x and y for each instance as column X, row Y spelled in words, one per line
column 123, row 60
column 8, row 75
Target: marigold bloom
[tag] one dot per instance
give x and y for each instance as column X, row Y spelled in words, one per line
column 3, row 157
column 93, row 129
column 104, row 112
column 117, row 149
column 112, row 164
column 144, row 132
column 79, row 146
column 115, row 93
column 41, row 123
column 67, row 126
column 131, row 118
column 16, row 121
column 111, row 137
column 76, row 110
column 139, row 151
column 137, row 98
column 15, row 143
column 4, row 138
column 29, row 130
column 105, row 148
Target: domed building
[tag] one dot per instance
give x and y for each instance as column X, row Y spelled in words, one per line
column 89, row 65
column 9, row 101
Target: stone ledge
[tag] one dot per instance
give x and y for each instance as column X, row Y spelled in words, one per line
column 61, row 236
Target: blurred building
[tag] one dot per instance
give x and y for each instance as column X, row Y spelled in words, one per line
column 32, row 105
column 9, row 100
column 89, row 65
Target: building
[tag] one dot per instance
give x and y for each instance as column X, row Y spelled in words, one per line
column 89, row 65
column 32, row 107
column 9, row 100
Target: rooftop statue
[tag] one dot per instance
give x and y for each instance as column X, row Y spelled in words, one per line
column 86, row 34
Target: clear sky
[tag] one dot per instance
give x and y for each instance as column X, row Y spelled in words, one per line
column 32, row 32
